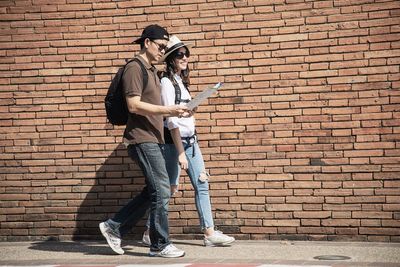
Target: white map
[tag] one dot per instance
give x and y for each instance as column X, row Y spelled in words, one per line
column 195, row 102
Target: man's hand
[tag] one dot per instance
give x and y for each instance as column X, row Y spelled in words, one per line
column 177, row 111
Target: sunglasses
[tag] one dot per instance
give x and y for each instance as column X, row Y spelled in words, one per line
column 180, row 55
column 160, row 47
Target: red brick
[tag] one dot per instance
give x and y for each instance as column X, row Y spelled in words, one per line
column 379, row 231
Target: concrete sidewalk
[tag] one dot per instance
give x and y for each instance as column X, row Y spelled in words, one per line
column 242, row 253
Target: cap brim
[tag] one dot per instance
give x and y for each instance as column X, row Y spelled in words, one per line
column 188, row 45
column 138, row 41
column 141, row 39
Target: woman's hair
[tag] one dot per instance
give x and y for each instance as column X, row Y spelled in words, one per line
column 171, row 69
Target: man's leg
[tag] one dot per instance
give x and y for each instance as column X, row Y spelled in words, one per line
column 151, row 161
column 123, row 221
column 173, row 170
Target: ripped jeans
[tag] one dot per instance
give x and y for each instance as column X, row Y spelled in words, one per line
column 198, row 176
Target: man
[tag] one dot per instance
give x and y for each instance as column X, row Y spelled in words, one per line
column 144, row 137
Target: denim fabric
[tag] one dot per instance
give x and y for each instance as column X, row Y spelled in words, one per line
column 195, row 169
column 171, row 160
column 156, row 194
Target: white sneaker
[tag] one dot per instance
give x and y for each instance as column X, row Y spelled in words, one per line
column 112, row 236
column 218, row 239
column 146, row 239
column 169, row 251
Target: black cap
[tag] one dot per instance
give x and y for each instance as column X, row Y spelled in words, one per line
column 153, row 32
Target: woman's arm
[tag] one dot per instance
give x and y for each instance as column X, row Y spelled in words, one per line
column 176, row 137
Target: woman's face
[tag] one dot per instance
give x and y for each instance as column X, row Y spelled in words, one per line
column 181, row 59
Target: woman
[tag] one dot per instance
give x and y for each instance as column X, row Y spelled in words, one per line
column 182, row 149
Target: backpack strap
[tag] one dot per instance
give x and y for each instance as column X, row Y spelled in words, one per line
column 144, row 72
column 177, row 93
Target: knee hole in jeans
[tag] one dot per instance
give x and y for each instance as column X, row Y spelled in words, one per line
column 203, row 177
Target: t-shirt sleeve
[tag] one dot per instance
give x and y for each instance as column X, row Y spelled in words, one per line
column 168, row 99
column 167, row 92
column 132, row 80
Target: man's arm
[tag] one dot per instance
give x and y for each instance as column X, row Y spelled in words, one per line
column 135, row 105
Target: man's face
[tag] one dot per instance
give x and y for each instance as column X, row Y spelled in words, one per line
column 155, row 49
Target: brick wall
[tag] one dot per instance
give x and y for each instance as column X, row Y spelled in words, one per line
column 302, row 142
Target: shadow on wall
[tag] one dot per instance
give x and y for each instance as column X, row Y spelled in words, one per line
column 116, row 182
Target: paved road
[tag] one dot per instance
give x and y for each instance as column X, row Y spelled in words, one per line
column 241, row 254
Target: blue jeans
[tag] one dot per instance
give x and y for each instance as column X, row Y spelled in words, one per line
column 156, row 194
column 198, row 176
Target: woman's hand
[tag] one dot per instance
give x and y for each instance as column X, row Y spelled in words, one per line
column 183, row 161
column 189, row 113
column 186, row 114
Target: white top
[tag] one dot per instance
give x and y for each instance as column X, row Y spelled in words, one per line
column 185, row 125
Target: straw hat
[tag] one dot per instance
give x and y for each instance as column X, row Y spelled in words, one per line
column 173, row 44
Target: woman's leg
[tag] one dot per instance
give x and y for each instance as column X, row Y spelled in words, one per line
column 199, row 178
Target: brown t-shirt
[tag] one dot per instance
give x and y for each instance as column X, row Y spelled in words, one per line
column 143, row 129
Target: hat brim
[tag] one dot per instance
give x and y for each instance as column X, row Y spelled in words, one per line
column 188, row 45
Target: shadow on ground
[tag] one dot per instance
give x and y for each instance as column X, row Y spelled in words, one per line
column 86, row 248
column 116, row 181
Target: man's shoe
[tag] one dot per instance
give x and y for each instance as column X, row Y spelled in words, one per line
column 169, row 251
column 218, row 239
column 112, row 236
column 146, row 240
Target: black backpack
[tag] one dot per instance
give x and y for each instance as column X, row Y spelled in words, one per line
column 115, row 103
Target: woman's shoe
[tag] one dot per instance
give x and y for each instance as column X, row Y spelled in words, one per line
column 218, row 239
